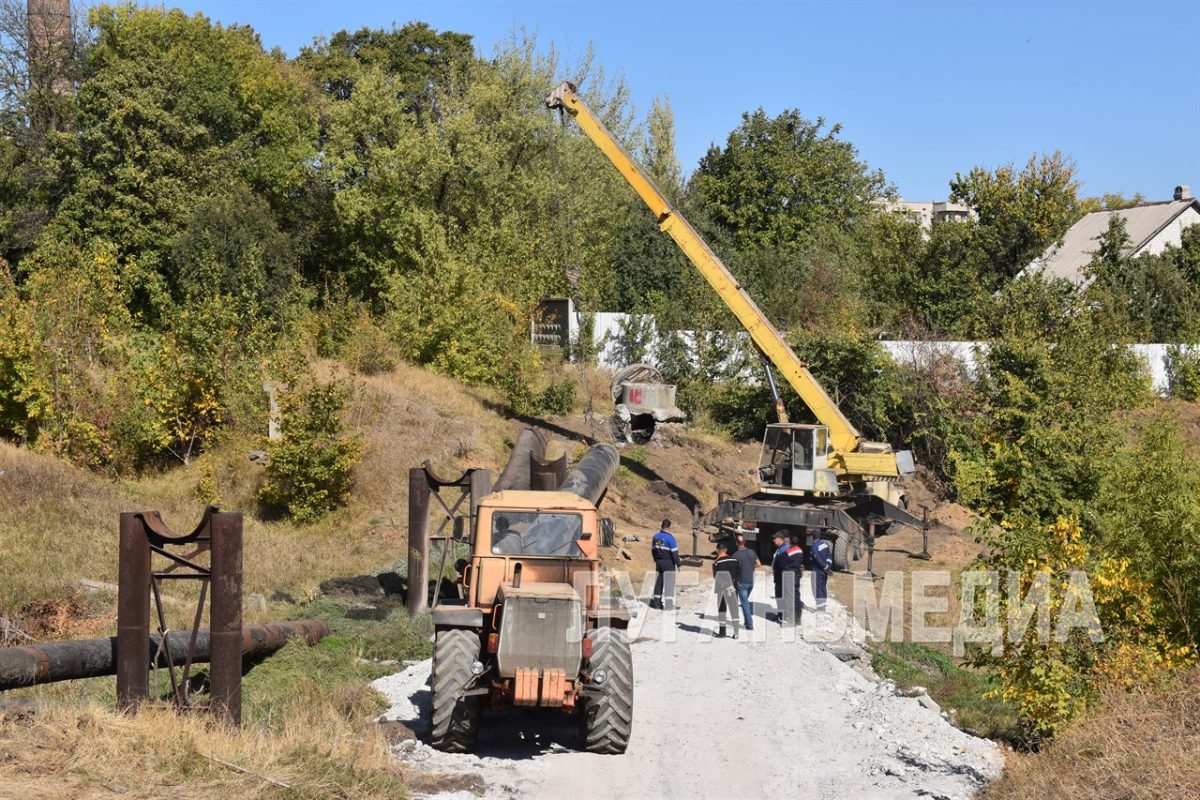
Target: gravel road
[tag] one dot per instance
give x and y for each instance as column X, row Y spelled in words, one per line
column 774, row 714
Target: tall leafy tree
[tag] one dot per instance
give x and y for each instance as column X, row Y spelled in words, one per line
column 1151, row 298
column 171, row 108
column 778, row 181
column 1021, row 212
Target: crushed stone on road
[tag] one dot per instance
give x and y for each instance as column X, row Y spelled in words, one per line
column 770, row 714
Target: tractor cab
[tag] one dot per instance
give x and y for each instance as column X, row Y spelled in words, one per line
column 795, row 460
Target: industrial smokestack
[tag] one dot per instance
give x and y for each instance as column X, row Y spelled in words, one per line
column 48, row 24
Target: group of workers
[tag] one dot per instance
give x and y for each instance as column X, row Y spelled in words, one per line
column 734, row 570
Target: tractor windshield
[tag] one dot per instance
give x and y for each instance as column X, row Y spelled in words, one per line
column 536, row 533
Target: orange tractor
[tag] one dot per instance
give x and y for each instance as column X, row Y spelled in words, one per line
column 530, row 630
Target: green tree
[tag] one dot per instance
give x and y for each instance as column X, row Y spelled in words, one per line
column 172, row 106
column 1151, row 298
column 1051, row 382
column 310, row 471
column 423, row 62
column 1021, row 212
column 1151, row 518
column 780, row 180
column 230, row 249
column 658, row 150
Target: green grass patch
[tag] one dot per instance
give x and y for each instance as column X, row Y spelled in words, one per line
column 952, row 686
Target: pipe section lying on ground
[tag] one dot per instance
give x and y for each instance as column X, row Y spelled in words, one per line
column 516, row 471
column 592, row 474
column 93, row 658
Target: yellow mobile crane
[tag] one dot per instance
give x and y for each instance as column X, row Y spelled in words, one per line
column 810, row 476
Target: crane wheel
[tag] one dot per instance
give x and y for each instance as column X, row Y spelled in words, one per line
column 455, row 718
column 841, row 552
column 606, row 720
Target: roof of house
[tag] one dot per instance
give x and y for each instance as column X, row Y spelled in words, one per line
column 1080, row 242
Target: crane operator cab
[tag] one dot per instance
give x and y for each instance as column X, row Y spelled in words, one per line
column 795, row 460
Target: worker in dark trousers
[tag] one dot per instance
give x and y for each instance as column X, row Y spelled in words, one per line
column 821, row 555
column 725, row 573
column 778, row 565
column 747, row 563
column 793, row 573
column 665, row 552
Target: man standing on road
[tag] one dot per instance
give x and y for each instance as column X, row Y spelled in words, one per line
column 725, row 574
column 778, row 565
column 665, row 551
column 793, row 572
column 747, row 563
column 822, row 561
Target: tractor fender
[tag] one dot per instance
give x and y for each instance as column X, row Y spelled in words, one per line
column 457, row 617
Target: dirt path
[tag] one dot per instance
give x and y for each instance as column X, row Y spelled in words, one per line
column 768, row 715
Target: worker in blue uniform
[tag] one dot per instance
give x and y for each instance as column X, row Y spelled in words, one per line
column 821, row 556
column 778, row 565
column 665, row 551
column 793, row 572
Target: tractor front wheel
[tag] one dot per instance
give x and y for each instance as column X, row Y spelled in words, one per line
column 455, row 718
column 606, row 720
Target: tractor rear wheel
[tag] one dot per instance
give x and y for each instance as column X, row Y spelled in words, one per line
column 455, row 718
column 606, row 720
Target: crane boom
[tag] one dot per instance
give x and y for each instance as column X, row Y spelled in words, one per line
column 848, row 456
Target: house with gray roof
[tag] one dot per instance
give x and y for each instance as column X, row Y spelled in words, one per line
column 1151, row 228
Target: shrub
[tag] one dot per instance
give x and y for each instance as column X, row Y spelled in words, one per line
column 310, row 472
column 558, row 397
column 1183, row 372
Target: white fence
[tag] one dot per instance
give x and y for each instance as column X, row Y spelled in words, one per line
column 608, row 330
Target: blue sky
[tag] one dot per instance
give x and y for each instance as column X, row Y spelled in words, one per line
column 922, row 89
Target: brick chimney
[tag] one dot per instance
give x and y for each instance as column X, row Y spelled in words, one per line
column 50, row 43
column 1183, row 193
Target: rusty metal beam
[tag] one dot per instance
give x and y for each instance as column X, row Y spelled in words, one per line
column 133, row 613
column 94, row 658
column 418, row 539
column 225, row 617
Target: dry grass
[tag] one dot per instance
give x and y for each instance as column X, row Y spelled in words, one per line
column 90, row 751
column 57, row 523
column 1130, row 747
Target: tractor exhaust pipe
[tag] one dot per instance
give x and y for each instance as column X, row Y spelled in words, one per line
column 592, row 474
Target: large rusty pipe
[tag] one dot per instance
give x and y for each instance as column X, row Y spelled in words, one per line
column 133, row 612
column 516, row 473
column 418, row 539
column 225, row 622
column 592, row 474
column 94, row 658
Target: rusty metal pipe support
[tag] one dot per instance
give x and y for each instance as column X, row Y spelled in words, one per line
column 225, row 625
column 418, row 539
column 133, row 613
column 93, row 658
